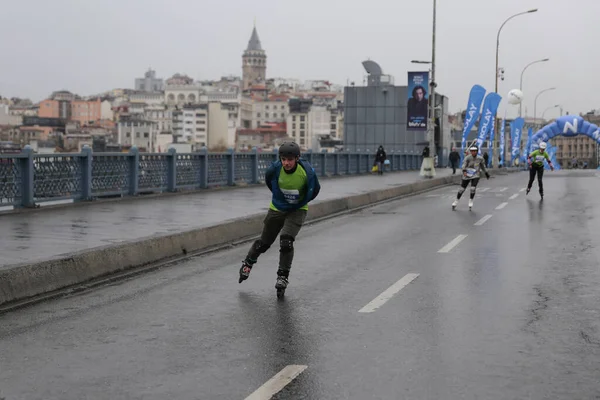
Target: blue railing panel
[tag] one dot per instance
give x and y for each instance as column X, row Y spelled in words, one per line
column 188, row 170
column 264, row 162
column 217, row 169
column 10, row 181
column 152, row 171
column 243, row 167
column 110, row 174
column 56, row 176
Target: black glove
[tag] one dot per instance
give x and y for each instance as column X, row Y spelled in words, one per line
column 487, row 175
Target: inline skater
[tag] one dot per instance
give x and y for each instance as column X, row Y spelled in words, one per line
column 471, row 168
column 293, row 184
column 536, row 166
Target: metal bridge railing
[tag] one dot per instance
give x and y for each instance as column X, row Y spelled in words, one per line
column 27, row 179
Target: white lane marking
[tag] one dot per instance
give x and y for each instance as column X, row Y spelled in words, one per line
column 484, row 189
column 501, row 206
column 522, row 190
column 504, row 189
column 514, row 196
column 388, row 294
column 452, row 244
column 276, row 383
column 482, row 220
column 433, row 195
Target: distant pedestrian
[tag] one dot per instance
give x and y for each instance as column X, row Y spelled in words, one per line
column 380, row 158
column 454, row 159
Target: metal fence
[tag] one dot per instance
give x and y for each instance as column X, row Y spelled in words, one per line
column 28, row 178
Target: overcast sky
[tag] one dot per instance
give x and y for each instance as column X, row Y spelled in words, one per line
column 92, row 46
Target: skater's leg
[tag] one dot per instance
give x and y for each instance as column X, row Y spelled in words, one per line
column 531, row 177
column 474, row 183
column 291, row 228
column 272, row 225
column 463, row 186
column 540, row 175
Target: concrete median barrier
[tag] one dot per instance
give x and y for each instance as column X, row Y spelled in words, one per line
column 20, row 282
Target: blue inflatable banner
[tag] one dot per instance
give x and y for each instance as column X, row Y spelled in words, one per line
column 488, row 113
column 516, row 127
column 569, row 126
column 473, row 108
column 491, row 149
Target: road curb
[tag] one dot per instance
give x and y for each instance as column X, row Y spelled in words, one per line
column 24, row 281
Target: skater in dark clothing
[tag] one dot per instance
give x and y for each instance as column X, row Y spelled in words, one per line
column 472, row 167
column 454, row 159
column 293, row 184
column 536, row 166
column 486, row 158
column 380, row 158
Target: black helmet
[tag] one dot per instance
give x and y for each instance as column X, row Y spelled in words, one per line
column 289, row 149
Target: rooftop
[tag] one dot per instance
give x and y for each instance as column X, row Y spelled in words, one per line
column 254, row 43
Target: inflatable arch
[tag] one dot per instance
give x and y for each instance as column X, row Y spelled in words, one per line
column 569, row 126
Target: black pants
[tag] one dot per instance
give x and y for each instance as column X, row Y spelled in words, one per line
column 540, row 173
column 454, row 164
column 289, row 224
column 463, row 187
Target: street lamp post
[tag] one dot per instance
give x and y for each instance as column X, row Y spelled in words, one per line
column 535, row 105
column 494, row 158
column 431, row 103
column 549, row 108
column 521, row 83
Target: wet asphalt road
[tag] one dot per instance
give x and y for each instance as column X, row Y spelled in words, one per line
column 46, row 233
column 510, row 312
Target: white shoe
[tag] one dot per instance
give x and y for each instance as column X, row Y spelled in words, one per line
column 454, row 204
column 470, row 203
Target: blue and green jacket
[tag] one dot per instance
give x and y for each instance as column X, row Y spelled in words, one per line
column 278, row 199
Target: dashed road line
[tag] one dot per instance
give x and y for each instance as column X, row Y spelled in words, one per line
column 501, row 206
column 483, row 220
column 455, row 242
column 388, row 293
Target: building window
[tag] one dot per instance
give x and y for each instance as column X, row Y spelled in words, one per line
column 266, row 107
column 302, row 126
column 294, row 126
column 302, row 118
column 137, row 134
column 257, row 115
column 146, row 135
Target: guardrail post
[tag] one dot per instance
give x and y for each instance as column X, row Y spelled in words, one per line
column 203, row 168
column 348, row 164
column 336, row 166
column 323, row 164
column 86, row 173
column 230, row 167
column 134, row 170
column 172, row 170
column 27, row 176
column 254, row 161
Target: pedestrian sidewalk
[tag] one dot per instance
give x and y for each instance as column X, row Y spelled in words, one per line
column 45, row 233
